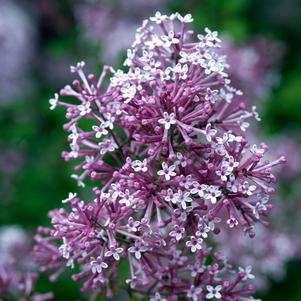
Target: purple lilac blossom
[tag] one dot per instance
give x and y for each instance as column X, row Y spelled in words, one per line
column 270, row 250
column 167, row 146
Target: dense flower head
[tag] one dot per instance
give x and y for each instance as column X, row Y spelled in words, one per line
column 157, row 264
column 166, row 142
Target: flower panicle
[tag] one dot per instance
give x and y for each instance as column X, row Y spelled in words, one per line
column 168, row 141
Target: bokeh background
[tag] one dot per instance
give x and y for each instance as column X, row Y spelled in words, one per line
column 40, row 39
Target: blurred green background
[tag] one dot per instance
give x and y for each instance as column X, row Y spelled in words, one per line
column 39, row 179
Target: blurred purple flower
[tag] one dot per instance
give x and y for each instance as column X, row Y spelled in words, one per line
column 17, row 269
column 254, row 66
column 287, row 143
column 267, row 254
column 113, row 23
column 16, row 50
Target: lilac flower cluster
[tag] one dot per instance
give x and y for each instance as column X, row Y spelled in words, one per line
column 17, row 268
column 167, row 143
